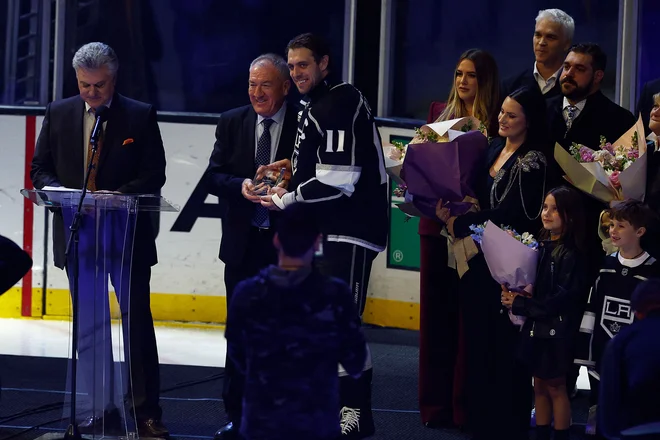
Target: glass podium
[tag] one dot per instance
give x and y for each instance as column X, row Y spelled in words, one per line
column 99, row 375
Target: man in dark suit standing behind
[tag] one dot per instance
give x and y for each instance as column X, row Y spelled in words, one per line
column 582, row 114
column 131, row 159
column 247, row 137
column 553, row 34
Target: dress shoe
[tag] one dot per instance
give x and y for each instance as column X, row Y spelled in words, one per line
column 227, row 432
column 109, row 423
column 153, row 428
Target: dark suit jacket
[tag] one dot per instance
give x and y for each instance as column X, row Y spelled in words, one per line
column 135, row 168
column 233, row 161
column 526, row 78
column 599, row 117
column 14, row 263
column 645, row 102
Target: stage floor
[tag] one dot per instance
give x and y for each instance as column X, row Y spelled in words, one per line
column 33, row 368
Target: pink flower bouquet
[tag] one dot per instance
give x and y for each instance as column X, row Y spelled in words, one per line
column 614, row 171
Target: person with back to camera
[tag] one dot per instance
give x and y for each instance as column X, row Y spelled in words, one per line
column 338, row 167
column 628, row 406
column 287, row 328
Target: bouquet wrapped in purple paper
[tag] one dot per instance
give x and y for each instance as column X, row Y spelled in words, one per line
column 511, row 257
column 441, row 163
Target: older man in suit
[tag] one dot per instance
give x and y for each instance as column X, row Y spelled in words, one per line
column 247, row 137
column 130, row 159
column 553, row 34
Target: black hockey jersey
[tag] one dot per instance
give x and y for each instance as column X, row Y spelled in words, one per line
column 338, row 165
column 609, row 310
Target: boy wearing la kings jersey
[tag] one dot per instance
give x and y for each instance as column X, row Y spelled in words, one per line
column 609, row 309
column 338, row 167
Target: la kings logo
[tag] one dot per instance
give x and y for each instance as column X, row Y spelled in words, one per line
column 616, row 311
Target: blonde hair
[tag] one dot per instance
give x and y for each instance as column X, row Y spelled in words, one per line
column 487, row 98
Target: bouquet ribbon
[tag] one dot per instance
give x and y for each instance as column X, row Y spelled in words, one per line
column 462, row 250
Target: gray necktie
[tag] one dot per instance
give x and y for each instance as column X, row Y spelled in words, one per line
column 263, row 158
column 570, row 117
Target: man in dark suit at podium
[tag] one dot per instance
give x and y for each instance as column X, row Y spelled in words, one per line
column 553, row 34
column 131, row 160
column 246, row 137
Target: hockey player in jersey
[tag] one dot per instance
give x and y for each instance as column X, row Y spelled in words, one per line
column 609, row 310
column 338, row 167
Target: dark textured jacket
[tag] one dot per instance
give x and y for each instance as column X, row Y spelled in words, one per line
column 520, row 206
column 554, row 308
column 287, row 331
column 630, row 379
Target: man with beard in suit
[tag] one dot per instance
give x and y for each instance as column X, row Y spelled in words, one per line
column 130, row 160
column 247, row 137
column 582, row 114
column 553, row 34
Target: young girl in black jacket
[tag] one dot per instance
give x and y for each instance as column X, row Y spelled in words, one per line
column 553, row 311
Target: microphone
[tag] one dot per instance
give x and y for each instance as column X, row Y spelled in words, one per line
column 101, row 114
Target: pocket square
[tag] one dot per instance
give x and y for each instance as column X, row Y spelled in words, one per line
column 128, row 141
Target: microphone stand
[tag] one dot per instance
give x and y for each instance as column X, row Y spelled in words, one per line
column 72, row 432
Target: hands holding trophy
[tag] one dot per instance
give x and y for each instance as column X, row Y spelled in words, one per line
column 269, row 179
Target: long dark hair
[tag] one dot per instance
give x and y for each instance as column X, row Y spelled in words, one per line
column 571, row 210
column 533, row 104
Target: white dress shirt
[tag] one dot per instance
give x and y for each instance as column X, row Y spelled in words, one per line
column 275, row 131
column 580, row 106
column 546, row 84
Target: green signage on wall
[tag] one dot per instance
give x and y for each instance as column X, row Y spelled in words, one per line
column 403, row 242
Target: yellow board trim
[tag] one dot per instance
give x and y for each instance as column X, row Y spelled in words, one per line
column 196, row 310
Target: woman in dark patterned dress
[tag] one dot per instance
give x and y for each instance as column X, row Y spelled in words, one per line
column 511, row 192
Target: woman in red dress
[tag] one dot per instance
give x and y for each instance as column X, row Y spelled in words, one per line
column 475, row 92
